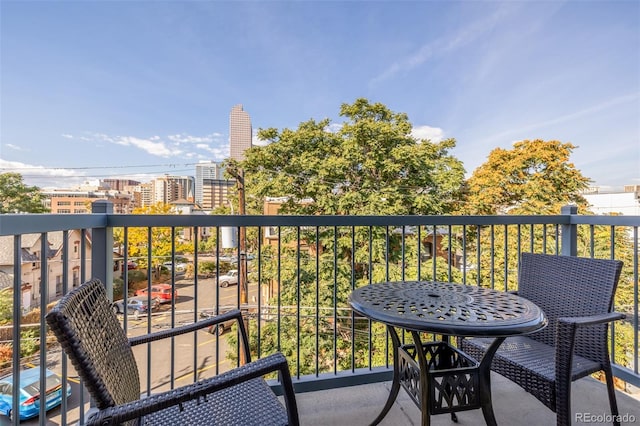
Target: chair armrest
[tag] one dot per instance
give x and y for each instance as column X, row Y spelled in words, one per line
column 590, row 320
column 163, row 334
column 198, row 325
column 566, row 329
column 133, row 410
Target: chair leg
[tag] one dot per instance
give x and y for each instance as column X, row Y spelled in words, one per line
column 612, row 395
column 563, row 401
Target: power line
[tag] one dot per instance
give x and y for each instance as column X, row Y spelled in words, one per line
column 100, row 167
column 173, row 171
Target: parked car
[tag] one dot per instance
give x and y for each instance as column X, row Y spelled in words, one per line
column 180, row 266
column 131, row 265
column 221, row 328
column 230, row 277
column 159, row 292
column 30, row 392
column 135, row 305
column 228, row 259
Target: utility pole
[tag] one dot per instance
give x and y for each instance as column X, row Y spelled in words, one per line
column 238, row 174
column 242, row 259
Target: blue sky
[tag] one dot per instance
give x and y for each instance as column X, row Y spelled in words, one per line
column 127, row 88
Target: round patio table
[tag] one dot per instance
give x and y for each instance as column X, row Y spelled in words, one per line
column 439, row 377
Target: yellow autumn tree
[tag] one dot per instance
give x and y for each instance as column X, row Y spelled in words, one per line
column 159, row 239
column 534, row 177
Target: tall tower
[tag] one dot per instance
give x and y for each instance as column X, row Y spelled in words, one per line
column 239, row 132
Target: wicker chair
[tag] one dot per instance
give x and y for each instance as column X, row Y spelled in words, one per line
column 576, row 295
column 101, row 353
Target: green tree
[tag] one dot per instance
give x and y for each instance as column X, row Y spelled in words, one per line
column 17, row 197
column 6, row 306
column 371, row 165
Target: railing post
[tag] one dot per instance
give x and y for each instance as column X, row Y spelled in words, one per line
column 569, row 233
column 102, row 248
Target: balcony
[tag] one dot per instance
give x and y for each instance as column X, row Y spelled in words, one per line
column 299, row 271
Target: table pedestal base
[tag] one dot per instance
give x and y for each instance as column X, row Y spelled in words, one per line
column 440, row 378
column 451, row 376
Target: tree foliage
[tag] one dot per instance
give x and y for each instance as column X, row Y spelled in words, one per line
column 535, row 177
column 161, row 239
column 6, row 306
column 371, row 165
column 17, row 197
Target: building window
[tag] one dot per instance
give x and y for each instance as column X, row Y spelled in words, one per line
column 271, row 232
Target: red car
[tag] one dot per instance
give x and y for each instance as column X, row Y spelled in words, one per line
column 160, row 292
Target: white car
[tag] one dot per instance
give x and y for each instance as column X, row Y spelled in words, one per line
column 180, row 266
column 230, row 277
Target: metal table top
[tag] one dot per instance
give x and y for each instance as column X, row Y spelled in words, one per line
column 447, row 308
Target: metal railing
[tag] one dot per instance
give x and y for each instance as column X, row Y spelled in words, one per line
column 293, row 282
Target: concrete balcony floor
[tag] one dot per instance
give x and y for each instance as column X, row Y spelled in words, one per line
column 359, row 405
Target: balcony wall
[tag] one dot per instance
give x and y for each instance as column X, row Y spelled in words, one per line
column 299, row 272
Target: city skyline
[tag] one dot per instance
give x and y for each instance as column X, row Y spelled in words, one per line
column 139, row 89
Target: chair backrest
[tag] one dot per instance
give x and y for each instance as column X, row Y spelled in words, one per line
column 91, row 335
column 567, row 286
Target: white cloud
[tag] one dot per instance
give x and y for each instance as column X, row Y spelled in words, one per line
column 184, row 138
column 18, row 167
column 14, row 147
column 41, row 176
column 148, row 145
column 434, row 134
column 335, row 127
column 180, row 145
column 257, row 142
column 218, row 153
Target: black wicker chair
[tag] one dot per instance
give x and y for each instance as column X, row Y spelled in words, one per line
column 101, row 353
column 576, row 295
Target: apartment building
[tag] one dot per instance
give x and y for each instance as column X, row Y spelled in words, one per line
column 69, row 201
column 30, row 263
column 212, row 187
column 165, row 189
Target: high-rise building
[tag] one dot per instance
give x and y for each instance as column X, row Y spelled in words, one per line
column 239, row 132
column 206, row 170
column 215, row 193
column 167, row 189
column 146, row 194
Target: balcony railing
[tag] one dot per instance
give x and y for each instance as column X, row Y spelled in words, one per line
column 295, row 273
